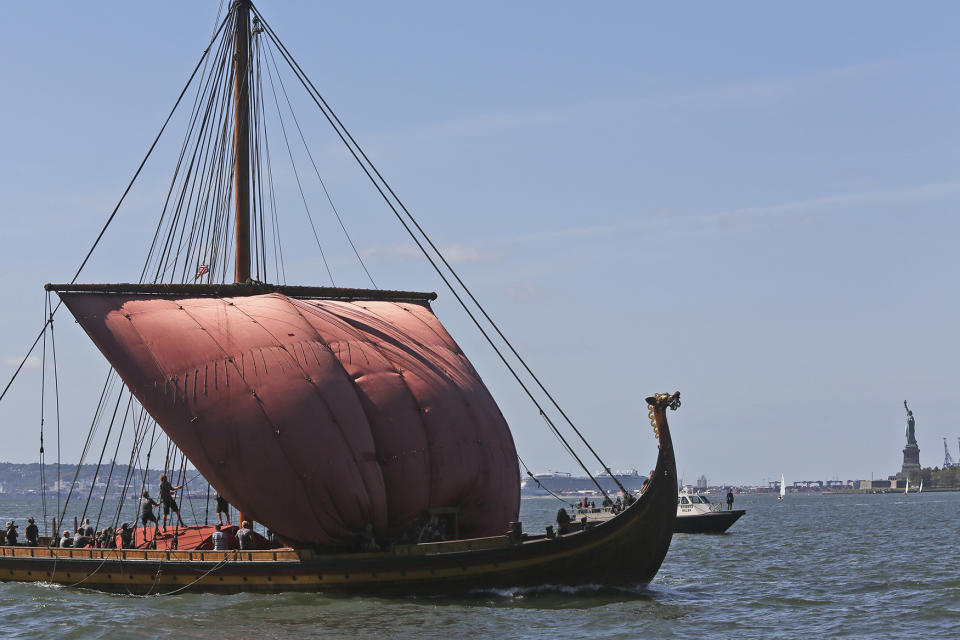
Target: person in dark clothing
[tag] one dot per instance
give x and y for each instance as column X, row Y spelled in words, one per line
column 146, row 513
column 32, row 533
column 11, row 534
column 126, row 536
column 223, row 509
column 88, row 528
column 245, row 536
column 80, row 541
column 169, row 504
column 108, row 539
column 563, row 521
column 729, row 499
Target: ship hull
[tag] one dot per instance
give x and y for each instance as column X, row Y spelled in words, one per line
column 626, row 552
column 715, row 522
column 627, row 549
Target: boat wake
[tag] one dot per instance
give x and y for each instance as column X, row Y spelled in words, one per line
column 546, row 590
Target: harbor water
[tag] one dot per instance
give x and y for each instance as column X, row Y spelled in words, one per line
column 827, row 566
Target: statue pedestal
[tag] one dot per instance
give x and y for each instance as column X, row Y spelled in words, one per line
column 911, row 462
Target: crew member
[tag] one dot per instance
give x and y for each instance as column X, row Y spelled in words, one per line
column 79, row 540
column 66, row 540
column 245, row 536
column 563, row 521
column 32, row 533
column 166, row 499
column 219, row 539
column 11, row 533
column 126, row 536
column 146, row 513
column 729, row 498
column 223, row 508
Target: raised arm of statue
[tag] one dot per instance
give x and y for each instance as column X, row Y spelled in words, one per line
column 910, row 430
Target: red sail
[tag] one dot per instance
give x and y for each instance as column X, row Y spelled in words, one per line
column 315, row 417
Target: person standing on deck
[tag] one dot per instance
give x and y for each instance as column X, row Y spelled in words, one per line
column 11, row 534
column 245, row 536
column 146, row 513
column 32, row 533
column 223, row 508
column 126, row 536
column 169, row 504
column 88, row 528
column 730, row 499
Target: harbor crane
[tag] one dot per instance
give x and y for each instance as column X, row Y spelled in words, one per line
column 947, row 459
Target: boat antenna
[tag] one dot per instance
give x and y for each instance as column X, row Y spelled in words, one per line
column 241, row 140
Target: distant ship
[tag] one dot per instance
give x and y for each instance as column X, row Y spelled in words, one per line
column 542, row 484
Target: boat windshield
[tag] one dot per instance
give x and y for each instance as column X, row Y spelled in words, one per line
column 695, row 499
column 683, row 500
column 704, row 498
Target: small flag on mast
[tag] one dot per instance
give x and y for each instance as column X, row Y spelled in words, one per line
column 201, row 270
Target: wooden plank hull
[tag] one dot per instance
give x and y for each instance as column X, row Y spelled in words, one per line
column 626, row 550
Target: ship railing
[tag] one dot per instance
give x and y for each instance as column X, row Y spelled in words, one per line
column 151, row 555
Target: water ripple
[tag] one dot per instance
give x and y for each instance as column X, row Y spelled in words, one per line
column 817, row 566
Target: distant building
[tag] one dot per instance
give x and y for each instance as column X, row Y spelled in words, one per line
column 702, row 483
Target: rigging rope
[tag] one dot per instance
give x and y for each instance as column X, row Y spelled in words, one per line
column 113, row 464
column 112, row 214
column 313, row 162
column 43, row 389
column 381, row 184
column 56, row 393
column 296, row 174
column 107, row 388
column 106, row 441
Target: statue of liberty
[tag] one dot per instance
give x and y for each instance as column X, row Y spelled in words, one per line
column 911, row 426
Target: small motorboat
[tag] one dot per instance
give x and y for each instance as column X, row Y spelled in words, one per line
column 696, row 514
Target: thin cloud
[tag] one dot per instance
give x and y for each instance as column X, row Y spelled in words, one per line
column 527, row 292
column 33, row 362
column 741, row 214
column 869, row 197
column 750, row 93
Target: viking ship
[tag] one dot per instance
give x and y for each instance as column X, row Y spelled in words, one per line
column 330, row 415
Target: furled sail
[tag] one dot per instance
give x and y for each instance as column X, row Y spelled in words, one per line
column 315, row 416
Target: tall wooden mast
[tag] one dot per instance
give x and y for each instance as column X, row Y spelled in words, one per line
column 241, row 139
column 241, row 147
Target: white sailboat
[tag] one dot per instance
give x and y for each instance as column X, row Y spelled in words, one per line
column 921, row 487
column 906, row 489
column 783, row 487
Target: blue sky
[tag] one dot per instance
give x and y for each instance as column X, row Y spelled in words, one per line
column 753, row 203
